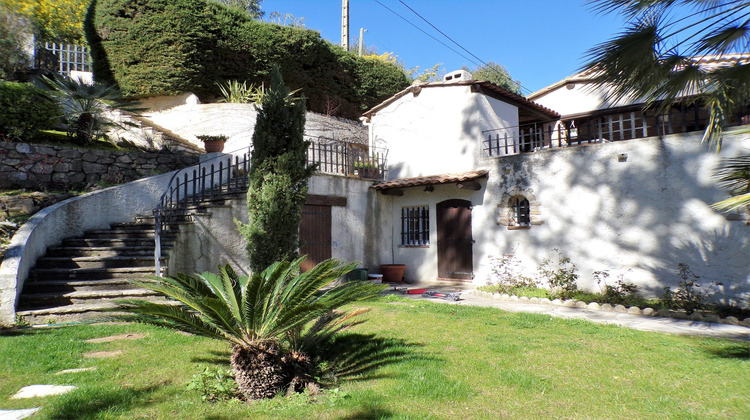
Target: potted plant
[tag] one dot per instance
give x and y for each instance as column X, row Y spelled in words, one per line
column 366, row 168
column 213, row 143
column 393, row 273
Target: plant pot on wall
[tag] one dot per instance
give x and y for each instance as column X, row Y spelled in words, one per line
column 213, row 144
column 393, row 273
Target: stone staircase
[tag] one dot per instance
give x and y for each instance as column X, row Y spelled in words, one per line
column 80, row 278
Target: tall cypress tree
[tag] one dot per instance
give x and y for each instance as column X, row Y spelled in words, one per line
column 277, row 178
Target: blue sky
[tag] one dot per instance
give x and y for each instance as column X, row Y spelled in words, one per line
column 538, row 41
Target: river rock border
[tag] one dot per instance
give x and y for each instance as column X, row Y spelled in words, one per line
column 633, row 310
column 47, row 166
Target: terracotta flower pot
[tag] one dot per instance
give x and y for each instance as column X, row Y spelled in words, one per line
column 213, row 146
column 393, row 273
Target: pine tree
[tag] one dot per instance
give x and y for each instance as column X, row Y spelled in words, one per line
column 277, row 178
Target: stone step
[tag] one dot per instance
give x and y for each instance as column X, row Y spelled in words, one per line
column 116, row 242
column 78, row 312
column 64, row 286
column 49, row 300
column 103, row 251
column 126, row 234
column 97, row 262
column 42, row 274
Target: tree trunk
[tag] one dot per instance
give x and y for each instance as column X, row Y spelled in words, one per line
column 257, row 371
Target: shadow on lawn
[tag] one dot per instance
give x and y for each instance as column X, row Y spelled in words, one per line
column 357, row 356
column 220, row 358
column 739, row 351
column 89, row 403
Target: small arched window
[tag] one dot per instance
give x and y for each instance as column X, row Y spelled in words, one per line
column 520, row 209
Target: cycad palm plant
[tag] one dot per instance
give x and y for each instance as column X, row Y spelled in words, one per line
column 86, row 107
column 270, row 317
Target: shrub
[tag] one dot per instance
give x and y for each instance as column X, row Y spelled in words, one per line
column 687, row 295
column 505, row 274
column 164, row 47
column 24, row 110
column 621, row 293
column 561, row 276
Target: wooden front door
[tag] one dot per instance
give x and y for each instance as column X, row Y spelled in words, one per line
column 454, row 247
column 315, row 233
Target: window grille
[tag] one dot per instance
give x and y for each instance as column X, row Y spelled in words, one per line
column 521, row 211
column 415, row 226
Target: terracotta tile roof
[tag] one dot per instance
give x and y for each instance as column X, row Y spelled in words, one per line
column 430, row 180
column 706, row 62
column 485, row 87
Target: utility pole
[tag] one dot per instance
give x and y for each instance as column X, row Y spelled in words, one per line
column 345, row 24
column 361, row 40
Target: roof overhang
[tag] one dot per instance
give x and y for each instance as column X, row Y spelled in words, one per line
column 490, row 89
column 464, row 181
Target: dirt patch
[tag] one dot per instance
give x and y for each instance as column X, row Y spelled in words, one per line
column 116, row 338
column 103, row 354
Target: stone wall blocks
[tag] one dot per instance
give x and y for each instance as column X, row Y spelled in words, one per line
column 10, row 162
column 69, row 154
column 94, row 168
column 23, row 148
column 46, row 151
column 76, row 178
column 90, row 157
column 124, row 159
column 62, row 167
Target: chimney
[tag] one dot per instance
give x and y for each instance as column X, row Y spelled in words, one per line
column 457, row 76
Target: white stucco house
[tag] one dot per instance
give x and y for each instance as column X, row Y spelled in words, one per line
column 476, row 171
column 465, row 171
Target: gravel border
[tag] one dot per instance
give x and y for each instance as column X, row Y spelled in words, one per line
column 634, row 310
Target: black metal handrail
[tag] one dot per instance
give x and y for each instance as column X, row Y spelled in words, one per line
column 601, row 128
column 213, row 178
column 227, row 174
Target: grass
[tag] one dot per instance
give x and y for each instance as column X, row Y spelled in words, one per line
column 458, row 362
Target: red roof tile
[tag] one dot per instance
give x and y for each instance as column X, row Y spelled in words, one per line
column 430, row 180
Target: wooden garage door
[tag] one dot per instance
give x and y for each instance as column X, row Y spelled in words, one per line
column 315, row 233
column 454, row 247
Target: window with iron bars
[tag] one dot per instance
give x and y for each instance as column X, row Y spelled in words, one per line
column 415, row 226
column 521, row 211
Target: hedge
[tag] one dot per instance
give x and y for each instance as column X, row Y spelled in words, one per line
column 166, row 47
column 24, row 110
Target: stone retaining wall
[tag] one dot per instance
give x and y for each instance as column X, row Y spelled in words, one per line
column 42, row 166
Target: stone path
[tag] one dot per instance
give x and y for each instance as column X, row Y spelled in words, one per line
column 638, row 322
column 39, row 391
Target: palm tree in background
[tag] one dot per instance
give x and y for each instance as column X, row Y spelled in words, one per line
column 656, row 58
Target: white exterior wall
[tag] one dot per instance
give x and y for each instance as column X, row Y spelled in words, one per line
column 436, row 131
column 185, row 116
column 356, row 230
column 639, row 217
column 578, row 97
column 421, row 261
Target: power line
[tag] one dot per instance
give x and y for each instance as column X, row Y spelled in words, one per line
column 522, row 87
column 423, row 31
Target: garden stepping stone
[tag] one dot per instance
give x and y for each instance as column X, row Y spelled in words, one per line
column 103, row 354
column 18, row 414
column 76, row 370
column 35, row 391
column 116, row 337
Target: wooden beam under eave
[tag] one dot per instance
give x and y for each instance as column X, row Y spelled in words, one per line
column 469, row 185
column 393, row 191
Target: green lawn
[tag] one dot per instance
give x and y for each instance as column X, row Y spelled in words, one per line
column 459, row 362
